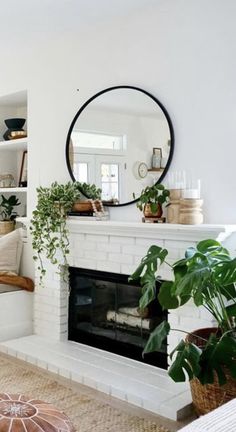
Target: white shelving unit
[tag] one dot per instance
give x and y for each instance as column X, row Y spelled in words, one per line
column 14, row 145
column 14, row 190
column 13, row 105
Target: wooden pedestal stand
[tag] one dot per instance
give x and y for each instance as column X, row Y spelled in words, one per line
column 153, row 219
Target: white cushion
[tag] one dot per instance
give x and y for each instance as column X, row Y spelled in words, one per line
column 10, row 251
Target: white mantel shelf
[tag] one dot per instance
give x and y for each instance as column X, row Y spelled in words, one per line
column 150, row 230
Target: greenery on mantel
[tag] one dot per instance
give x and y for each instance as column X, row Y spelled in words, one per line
column 154, row 195
column 91, row 191
column 206, row 276
column 50, row 236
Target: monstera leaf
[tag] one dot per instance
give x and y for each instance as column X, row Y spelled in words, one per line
column 186, row 361
column 218, row 354
column 149, row 262
column 157, row 337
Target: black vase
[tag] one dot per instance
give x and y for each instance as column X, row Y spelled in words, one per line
column 14, row 124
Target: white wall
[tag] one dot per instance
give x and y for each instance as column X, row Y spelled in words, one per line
column 181, row 51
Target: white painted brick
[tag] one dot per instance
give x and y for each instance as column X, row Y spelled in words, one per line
column 127, row 269
column 134, row 250
column 70, row 259
column 41, row 307
column 78, row 253
column 96, row 255
column 109, row 247
column 85, row 263
column 108, row 266
column 173, row 320
column 187, row 311
column 120, row 258
column 190, row 324
column 148, row 242
column 97, row 238
column 76, row 239
column 122, row 240
column 87, row 246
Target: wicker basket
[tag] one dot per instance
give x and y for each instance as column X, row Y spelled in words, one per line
column 6, row 227
column 210, row 396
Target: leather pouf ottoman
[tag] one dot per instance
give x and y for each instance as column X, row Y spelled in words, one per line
column 21, row 414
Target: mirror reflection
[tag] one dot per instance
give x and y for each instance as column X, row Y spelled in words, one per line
column 122, row 141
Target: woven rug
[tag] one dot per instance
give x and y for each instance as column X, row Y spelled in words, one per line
column 86, row 413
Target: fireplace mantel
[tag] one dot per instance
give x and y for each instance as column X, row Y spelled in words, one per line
column 150, row 230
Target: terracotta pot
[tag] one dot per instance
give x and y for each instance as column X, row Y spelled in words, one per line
column 86, row 206
column 148, row 212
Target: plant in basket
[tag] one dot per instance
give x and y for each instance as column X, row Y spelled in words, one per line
column 92, row 201
column 206, row 276
column 8, row 213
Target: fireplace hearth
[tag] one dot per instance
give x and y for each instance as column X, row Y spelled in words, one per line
column 104, row 313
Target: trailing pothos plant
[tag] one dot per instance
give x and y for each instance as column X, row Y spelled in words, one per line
column 206, row 276
column 48, row 225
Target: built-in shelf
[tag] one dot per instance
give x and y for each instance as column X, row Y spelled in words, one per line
column 156, row 169
column 13, row 145
column 14, row 189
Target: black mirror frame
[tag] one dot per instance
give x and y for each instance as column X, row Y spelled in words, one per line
column 99, row 94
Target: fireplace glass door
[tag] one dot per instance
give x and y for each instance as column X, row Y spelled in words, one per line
column 104, row 313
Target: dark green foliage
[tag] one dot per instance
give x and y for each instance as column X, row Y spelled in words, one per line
column 207, row 276
column 7, row 206
column 89, row 190
column 153, row 195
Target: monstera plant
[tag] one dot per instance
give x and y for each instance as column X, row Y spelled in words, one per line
column 206, row 276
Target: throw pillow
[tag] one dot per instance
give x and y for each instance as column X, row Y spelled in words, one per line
column 10, row 251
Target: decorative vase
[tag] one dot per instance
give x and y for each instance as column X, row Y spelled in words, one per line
column 190, row 211
column 174, row 206
column 14, row 130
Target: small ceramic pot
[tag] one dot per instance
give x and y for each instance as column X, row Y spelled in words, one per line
column 148, row 212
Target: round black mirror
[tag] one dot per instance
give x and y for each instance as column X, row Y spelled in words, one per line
column 121, row 140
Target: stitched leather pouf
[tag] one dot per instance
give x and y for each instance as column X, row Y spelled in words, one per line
column 19, row 413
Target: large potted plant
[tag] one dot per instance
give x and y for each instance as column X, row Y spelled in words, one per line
column 151, row 200
column 206, row 276
column 8, row 213
column 50, row 236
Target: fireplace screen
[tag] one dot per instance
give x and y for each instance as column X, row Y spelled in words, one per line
column 104, row 313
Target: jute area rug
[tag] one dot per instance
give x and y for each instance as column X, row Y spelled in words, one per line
column 86, row 413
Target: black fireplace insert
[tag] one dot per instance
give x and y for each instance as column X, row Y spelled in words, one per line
column 104, row 313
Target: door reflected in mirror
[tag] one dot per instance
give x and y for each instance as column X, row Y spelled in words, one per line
column 112, row 140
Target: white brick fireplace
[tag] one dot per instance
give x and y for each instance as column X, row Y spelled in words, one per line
column 118, row 247
column 113, row 247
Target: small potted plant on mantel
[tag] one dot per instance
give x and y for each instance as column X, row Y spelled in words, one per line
column 151, row 200
column 206, row 276
column 93, row 198
column 8, row 214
